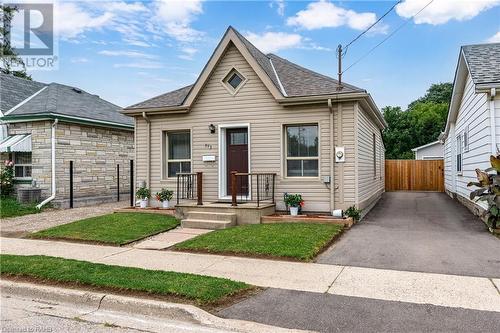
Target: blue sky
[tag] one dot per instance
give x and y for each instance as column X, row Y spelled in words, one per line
column 128, row 51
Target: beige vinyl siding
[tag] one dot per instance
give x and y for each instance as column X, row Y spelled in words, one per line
column 345, row 173
column 253, row 105
column 370, row 182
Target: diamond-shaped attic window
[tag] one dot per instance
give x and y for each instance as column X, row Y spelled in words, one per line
column 234, row 80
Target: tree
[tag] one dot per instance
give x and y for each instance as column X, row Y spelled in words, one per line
column 7, row 53
column 437, row 93
column 420, row 124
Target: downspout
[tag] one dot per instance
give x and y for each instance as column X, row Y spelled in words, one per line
column 332, row 159
column 493, row 122
column 53, row 155
column 148, row 169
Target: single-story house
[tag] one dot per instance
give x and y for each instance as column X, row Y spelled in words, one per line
column 252, row 112
column 45, row 126
column 472, row 130
column 430, row 151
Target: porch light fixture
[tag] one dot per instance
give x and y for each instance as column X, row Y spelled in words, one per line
column 211, row 127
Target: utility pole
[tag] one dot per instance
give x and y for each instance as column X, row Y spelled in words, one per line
column 339, row 56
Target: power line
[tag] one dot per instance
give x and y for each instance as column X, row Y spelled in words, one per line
column 371, row 26
column 389, row 36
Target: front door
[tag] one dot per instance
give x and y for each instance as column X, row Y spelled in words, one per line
column 237, row 158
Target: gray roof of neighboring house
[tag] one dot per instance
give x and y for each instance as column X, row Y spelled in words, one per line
column 14, row 90
column 483, row 61
column 296, row 80
column 63, row 100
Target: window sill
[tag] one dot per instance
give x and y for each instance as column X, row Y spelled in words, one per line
column 23, row 180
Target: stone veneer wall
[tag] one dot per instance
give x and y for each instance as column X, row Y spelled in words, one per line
column 95, row 152
column 40, row 139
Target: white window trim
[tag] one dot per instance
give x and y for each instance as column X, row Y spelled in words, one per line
column 458, row 144
column 22, row 165
column 165, row 153
column 226, row 84
column 222, row 174
column 466, row 140
column 285, row 152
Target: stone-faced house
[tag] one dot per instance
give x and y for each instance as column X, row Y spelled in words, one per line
column 45, row 126
column 261, row 114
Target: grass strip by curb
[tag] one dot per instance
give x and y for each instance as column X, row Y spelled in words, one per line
column 297, row 241
column 116, row 228
column 203, row 290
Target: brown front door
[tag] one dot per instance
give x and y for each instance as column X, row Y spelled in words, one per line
column 237, row 157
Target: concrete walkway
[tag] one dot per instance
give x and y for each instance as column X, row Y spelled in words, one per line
column 169, row 238
column 477, row 293
column 22, row 225
column 419, row 231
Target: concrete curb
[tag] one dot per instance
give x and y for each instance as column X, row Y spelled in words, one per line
column 110, row 302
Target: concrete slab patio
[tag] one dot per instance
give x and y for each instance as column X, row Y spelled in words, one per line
column 476, row 293
column 419, row 231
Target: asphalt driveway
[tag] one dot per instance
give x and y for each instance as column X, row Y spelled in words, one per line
column 419, row 231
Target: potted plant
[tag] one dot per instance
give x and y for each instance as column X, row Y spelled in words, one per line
column 143, row 194
column 294, row 201
column 164, row 196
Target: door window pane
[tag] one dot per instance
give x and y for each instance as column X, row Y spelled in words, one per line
column 238, row 138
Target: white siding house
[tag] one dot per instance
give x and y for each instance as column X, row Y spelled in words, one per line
column 472, row 130
column 430, row 151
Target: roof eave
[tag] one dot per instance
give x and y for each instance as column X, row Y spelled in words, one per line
column 66, row 118
column 156, row 110
column 338, row 97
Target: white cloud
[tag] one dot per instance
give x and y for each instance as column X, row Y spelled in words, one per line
column 188, row 53
column 440, row 12
column 130, row 54
column 176, row 17
column 324, row 14
column 495, row 38
column 135, row 42
column 274, row 41
column 121, row 6
column 70, row 20
column 280, row 6
column 141, row 65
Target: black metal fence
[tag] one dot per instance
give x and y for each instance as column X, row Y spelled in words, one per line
column 111, row 188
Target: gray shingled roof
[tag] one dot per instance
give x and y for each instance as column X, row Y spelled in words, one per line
column 483, row 61
column 14, row 90
column 172, row 98
column 65, row 101
column 296, row 80
column 300, row 81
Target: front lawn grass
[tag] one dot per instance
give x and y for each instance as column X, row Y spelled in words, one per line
column 116, row 228
column 198, row 288
column 10, row 207
column 299, row 241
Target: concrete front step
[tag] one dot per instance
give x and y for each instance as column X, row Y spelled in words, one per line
column 206, row 224
column 212, row 216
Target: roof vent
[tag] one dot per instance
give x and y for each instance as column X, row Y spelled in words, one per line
column 79, row 91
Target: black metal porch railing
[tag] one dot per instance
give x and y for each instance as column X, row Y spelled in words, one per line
column 190, row 187
column 252, row 187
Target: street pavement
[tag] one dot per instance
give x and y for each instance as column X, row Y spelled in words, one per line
column 422, row 232
column 336, row 313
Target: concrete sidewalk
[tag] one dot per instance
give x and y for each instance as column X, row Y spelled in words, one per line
column 477, row 293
